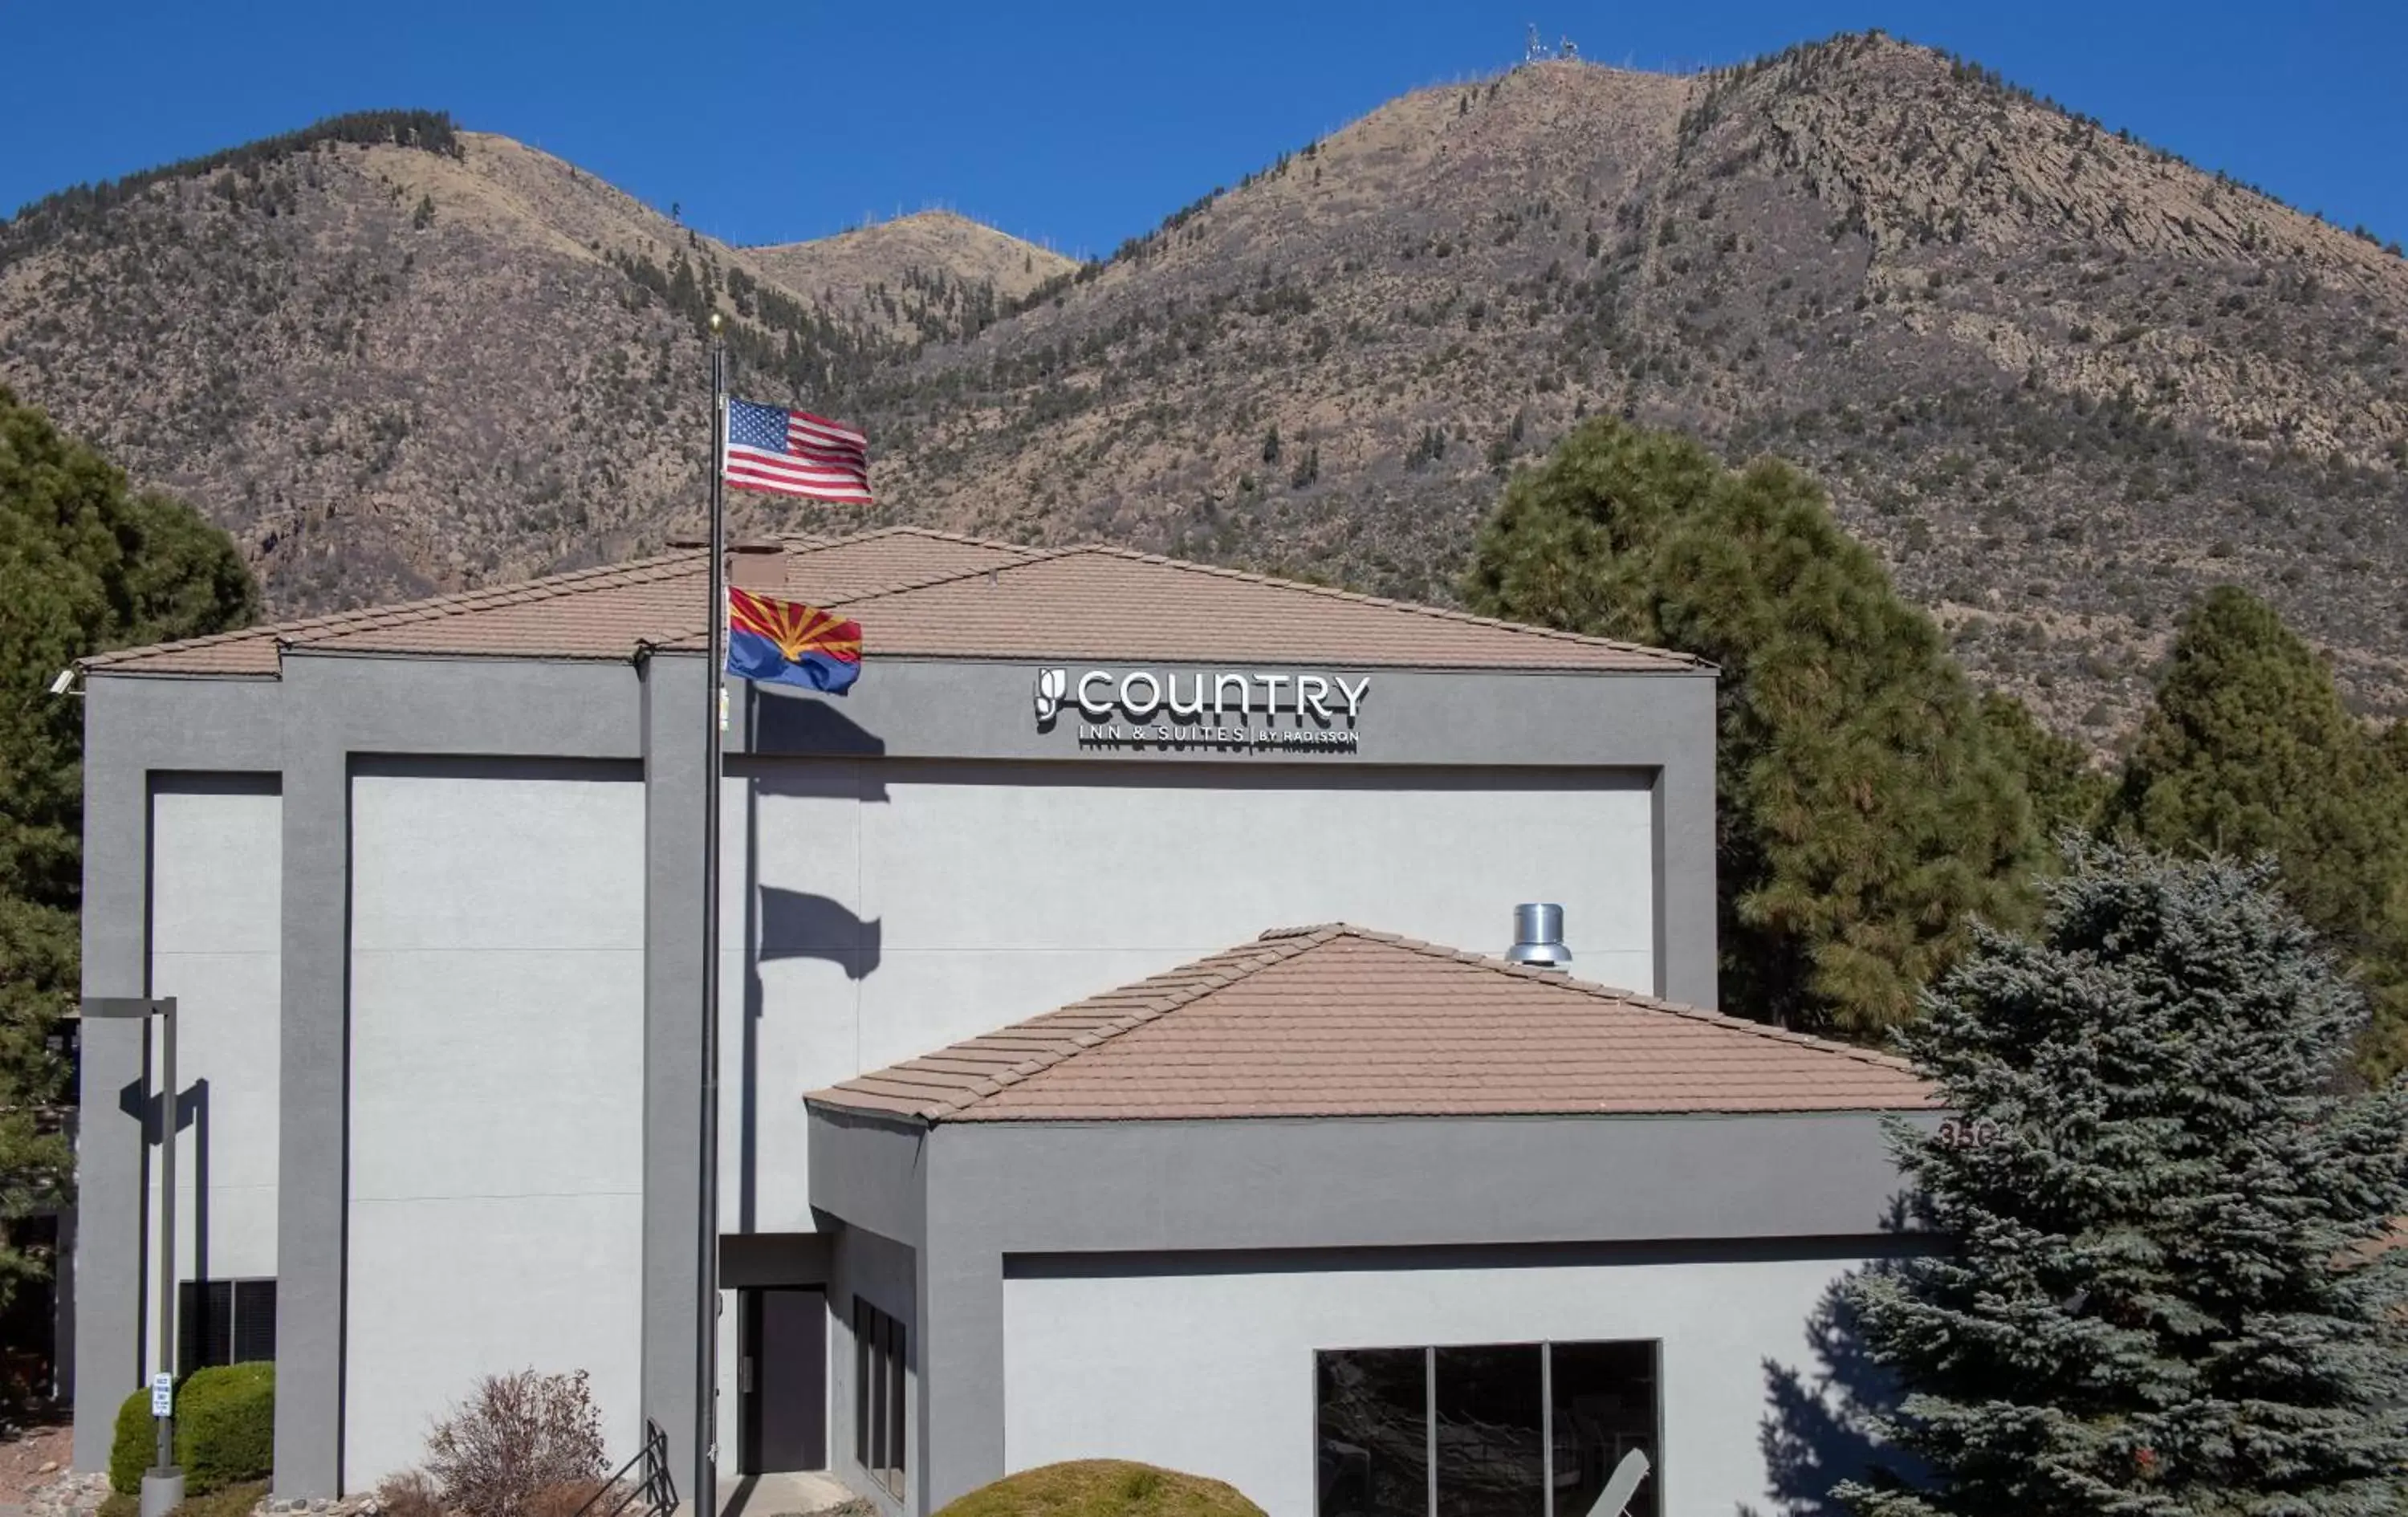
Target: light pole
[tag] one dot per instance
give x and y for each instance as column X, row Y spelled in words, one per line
column 162, row 1485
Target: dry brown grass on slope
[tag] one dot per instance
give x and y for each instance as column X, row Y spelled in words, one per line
column 853, row 261
column 2062, row 381
column 390, row 371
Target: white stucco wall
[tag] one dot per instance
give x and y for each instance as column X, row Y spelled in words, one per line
column 216, row 917
column 496, row 1070
column 1000, row 892
column 1214, row 1373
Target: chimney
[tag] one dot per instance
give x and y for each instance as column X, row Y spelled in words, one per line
column 1538, row 937
column 757, row 566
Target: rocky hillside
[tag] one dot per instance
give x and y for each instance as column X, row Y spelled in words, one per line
column 871, row 271
column 2062, row 381
column 394, row 357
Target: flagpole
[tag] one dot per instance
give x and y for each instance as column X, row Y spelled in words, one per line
column 706, row 1435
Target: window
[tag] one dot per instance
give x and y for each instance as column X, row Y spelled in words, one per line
column 878, row 1394
column 1499, row 1430
column 224, row 1322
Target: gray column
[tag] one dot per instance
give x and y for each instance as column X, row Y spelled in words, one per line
column 111, row 1157
column 314, row 1048
column 1686, row 924
column 675, row 706
column 956, row 1353
column 956, row 1369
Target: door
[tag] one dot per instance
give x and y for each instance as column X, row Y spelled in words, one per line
column 782, row 1379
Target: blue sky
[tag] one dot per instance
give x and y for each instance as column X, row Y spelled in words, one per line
column 1078, row 125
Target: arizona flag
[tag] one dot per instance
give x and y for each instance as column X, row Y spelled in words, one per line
column 780, row 642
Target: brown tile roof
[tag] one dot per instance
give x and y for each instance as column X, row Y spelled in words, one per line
column 1340, row 1021
column 923, row 593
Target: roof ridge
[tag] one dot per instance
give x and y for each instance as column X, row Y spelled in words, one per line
column 1385, row 603
column 526, row 592
column 1747, row 1025
column 1022, row 559
column 906, row 587
column 1246, row 967
column 402, row 613
column 906, row 529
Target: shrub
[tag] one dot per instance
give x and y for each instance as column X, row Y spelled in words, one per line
column 225, row 1430
column 225, row 1425
column 517, row 1436
column 239, row 1499
column 567, row 1498
column 131, row 1451
column 1103, row 1488
column 409, row 1493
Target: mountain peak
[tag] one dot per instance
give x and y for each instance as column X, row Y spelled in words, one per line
column 935, row 240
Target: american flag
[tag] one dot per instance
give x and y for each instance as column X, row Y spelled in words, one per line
column 795, row 453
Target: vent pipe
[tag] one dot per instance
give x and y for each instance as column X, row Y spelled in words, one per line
column 1538, row 937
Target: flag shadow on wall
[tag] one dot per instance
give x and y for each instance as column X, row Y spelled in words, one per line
column 796, row 924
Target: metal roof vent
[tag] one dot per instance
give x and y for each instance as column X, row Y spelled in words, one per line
column 1538, row 937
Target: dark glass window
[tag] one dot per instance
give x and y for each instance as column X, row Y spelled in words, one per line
column 1511, row 1430
column 861, row 1383
column 1374, row 1432
column 878, row 1400
column 894, row 1407
column 224, row 1322
column 1604, row 1408
column 1491, row 1434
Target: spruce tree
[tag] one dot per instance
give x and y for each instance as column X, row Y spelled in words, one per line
column 85, row 564
column 1865, row 816
column 2167, row 1293
column 2250, row 748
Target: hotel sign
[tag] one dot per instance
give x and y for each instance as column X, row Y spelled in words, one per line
column 1300, row 712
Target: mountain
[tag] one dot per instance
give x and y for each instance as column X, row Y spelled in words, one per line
column 396, row 358
column 858, row 271
column 2060, row 380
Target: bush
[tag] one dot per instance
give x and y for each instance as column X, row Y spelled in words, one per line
column 225, row 1430
column 517, row 1436
column 1103, row 1488
column 409, row 1493
column 131, row 1451
column 225, row 1426
column 569, row 1497
column 234, row 1501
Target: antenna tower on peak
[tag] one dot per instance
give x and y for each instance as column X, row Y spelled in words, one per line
column 1533, row 50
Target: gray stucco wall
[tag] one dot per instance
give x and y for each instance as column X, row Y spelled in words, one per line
column 1431, row 719
column 302, row 731
column 901, row 904
column 675, row 705
column 132, row 732
column 994, row 1190
column 215, row 921
column 333, row 710
column 877, row 1268
column 1207, row 1363
column 305, row 733
column 494, row 1186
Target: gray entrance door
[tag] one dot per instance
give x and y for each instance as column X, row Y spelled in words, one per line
column 784, row 1381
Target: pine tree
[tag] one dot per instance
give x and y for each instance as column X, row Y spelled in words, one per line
column 2068, row 792
column 84, row 565
column 2250, row 748
column 1864, row 816
column 2169, row 1292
